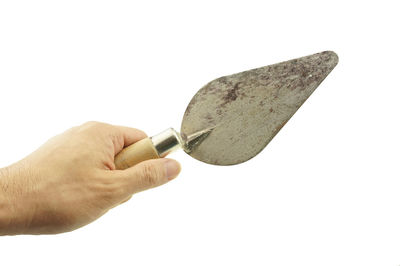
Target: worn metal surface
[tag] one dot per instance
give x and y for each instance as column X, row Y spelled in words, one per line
column 246, row 110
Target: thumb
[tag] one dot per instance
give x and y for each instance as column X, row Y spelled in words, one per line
column 149, row 174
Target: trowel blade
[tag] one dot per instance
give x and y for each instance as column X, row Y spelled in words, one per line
column 244, row 111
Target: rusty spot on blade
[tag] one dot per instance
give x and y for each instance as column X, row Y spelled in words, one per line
column 246, row 110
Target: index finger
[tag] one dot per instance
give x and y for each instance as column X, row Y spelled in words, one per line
column 130, row 136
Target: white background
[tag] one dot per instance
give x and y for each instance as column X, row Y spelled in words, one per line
column 325, row 191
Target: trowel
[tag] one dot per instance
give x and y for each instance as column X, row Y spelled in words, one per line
column 232, row 118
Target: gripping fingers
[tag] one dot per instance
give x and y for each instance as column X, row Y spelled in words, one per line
column 149, row 174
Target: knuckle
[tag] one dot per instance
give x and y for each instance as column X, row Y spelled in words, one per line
column 94, row 124
column 108, row 193
column 86, row 126
column 91, row 123
column 150, row 175
column 108, row 190
column 140, row 132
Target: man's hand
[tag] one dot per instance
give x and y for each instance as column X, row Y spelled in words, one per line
column 71, row 180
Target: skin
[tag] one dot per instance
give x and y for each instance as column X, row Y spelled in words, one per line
column 71, row 180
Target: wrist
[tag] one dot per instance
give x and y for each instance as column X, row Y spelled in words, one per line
column 5, row 205
column 12, row 214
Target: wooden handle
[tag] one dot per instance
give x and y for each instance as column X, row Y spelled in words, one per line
column 136, row 153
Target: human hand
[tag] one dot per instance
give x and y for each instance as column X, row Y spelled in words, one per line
column 71, row 180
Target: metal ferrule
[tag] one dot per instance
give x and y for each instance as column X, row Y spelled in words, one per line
column 166, row 142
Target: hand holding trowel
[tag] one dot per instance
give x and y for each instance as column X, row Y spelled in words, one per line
column 232, row 118
column 67, row 182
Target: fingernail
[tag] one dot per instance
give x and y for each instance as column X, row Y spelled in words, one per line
column 172, row 168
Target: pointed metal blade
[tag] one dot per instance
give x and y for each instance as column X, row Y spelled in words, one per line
column 246, row 110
